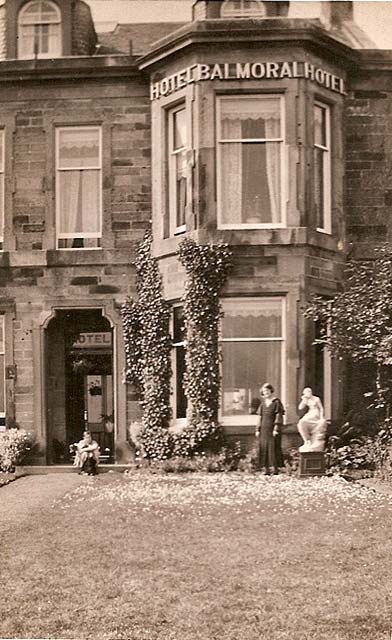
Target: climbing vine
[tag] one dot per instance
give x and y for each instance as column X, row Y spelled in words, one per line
column 131, row 314
column 206, row 268
column 148, row 346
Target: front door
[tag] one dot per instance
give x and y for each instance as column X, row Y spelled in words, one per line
column 79, row 383
column 90, row 399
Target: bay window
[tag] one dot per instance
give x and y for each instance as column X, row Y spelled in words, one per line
column 78, row 187
column 252, row 340
column 250, row 156
column 178, row 145
column 322, row 166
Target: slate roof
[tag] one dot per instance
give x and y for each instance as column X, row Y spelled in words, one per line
column 136, row 38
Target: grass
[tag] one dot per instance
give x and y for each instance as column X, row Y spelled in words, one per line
column 202, row 557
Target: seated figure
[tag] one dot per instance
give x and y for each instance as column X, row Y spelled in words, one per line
column 312, row 426
column 87, row 455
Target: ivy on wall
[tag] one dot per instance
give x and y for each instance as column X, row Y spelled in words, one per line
column 148, row 347
column 206, row 268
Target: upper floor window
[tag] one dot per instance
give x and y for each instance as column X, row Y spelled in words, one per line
column 78, row 187
column 177, row 168
column 250, row 161
column 39, row 30
column 2, row 188
column 322, row 166
column 243, row 9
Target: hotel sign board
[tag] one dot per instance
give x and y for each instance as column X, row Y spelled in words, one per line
column 93, row 341
column 245, row 71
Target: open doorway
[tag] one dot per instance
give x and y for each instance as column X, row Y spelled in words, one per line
column 80, row 385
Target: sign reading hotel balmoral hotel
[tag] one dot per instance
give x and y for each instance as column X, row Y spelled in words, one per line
column 245, row 71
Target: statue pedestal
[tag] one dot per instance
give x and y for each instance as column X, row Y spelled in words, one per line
column 311, row 463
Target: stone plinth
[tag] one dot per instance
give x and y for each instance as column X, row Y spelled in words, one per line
column 311, row 463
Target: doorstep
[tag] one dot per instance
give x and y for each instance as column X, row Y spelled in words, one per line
column 30, row 470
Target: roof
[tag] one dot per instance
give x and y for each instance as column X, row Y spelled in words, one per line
column 136, row 38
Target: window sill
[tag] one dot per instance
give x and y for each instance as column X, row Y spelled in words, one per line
column 327, row 232
column 252, row 225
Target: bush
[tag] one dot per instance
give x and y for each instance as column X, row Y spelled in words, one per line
column 228, row 458
column 14, row 446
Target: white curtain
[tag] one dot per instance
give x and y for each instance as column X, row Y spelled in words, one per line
column 79, row 198
column 231, row 172
column 69, row 197
column 273, row 150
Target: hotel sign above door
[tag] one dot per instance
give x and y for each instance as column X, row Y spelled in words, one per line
column 93, row 341
column 245, row 71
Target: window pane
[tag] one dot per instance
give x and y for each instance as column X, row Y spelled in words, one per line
column 320, row 126
column 39, row 12
column 181, row 401
column 250, row 118
column 246, row 8
column 246, row 366
column 250, row 183
column 79, row 201
column 181, row 188
column 79, row 148
column 252, row 319
column 319, row 155
column 2, row 384
column 178, row 324
column 179, row 129
column 1, row 334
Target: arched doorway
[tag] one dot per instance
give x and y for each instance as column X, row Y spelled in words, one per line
column 79, row 382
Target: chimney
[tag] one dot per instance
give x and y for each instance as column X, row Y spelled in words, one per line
column 334, row 12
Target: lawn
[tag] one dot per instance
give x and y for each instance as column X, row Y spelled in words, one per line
column 202, row 557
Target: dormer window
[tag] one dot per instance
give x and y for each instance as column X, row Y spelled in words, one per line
column 39, row 30
column 243, row 9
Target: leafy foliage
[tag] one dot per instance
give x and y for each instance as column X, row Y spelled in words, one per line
column 148, row 346
column 14, row 446
column 206, row 267
column 358, row 322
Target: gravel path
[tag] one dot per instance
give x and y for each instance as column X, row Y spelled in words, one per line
column 31, row 494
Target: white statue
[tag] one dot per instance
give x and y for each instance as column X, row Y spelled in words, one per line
column 312, row 426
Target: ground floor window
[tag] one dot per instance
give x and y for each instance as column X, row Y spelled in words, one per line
column 252, row 353
column 178, row 364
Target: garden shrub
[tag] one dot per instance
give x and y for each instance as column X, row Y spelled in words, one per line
column 14, row 446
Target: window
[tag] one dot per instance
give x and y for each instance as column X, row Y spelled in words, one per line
column 1, row 188
column 39, row 30
column 243, row 9
column 322, row 167
column 180, row 400
column 323, row 373
column 252, row 353
column 177, row 168
column 250, row 161
column 78, row 187
column 2, row 371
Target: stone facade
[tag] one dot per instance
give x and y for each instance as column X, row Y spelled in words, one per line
column 48, row 295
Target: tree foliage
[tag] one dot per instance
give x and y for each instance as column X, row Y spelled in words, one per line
column 358, row 321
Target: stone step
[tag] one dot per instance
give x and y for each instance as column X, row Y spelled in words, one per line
column 29, row 470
